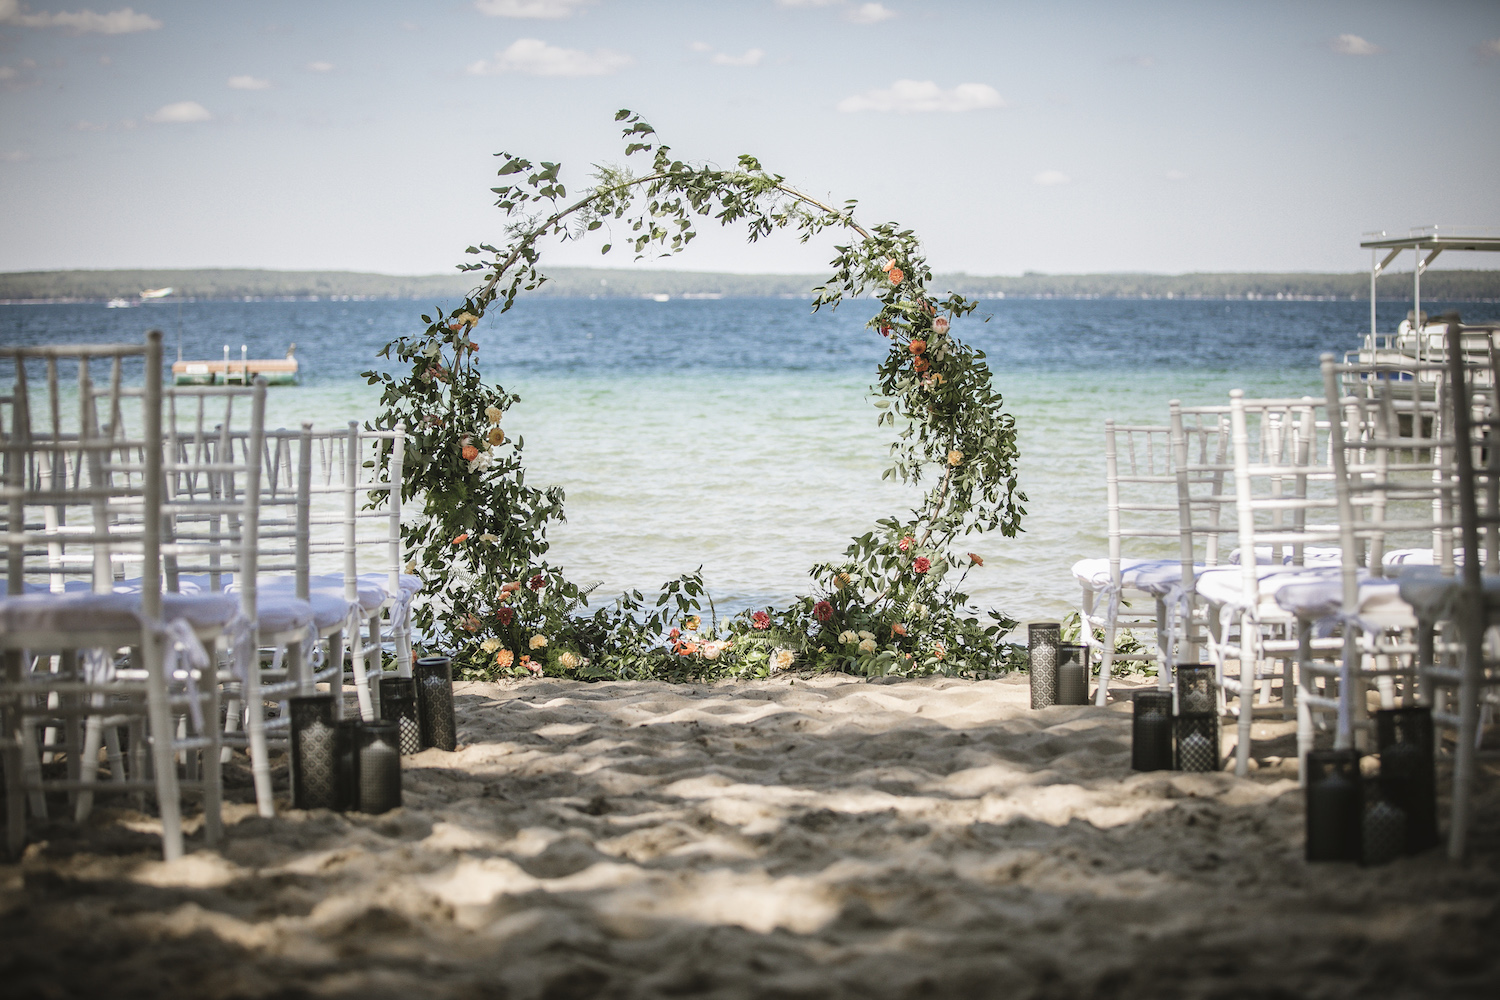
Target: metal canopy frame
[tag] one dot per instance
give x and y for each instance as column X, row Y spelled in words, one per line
column 1434, row 240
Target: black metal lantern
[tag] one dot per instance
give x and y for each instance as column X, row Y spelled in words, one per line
column 379, row 767
column 1151, row 731
column 1404, row 737
column 1335, row 812
column 315, row 763
column 1072, row 674
column 434, row 678
column 1197, row 691
column 1197, row 742
column 1042, row 640
column 1382, row 826
column 398, row 704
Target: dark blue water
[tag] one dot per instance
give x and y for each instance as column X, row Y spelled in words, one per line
column 556, row 337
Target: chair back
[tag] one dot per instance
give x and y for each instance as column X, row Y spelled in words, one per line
column 77, row 483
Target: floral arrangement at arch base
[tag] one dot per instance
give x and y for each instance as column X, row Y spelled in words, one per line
column 894, row 604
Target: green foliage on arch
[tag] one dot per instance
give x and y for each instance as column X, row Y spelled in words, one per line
column 895, row 603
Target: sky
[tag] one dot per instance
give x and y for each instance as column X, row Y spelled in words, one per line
column 1058, row 137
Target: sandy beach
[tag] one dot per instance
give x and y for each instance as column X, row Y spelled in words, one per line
column 810, row 837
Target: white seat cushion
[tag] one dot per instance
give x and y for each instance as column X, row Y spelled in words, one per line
column 119, row 612
column 408, row 583
column 1312, row 555
column 1435, row 596
column 1153, row 576
column 1319, row 593
column 1224, row 585
column 276, row 613
column 371, row 595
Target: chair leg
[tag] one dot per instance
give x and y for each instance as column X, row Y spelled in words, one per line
column 89, row 769
column 213, row 768
column 31, row 767
column 168, row 796
column 112, row 752
column 260, row 760
column 361, row 682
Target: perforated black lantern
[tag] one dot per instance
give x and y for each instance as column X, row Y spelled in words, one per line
column 1042, row 640
column 434, row 678
column 1151, row 731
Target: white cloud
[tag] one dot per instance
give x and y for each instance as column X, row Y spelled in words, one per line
column 871, row 13
column 751, row 57
column 700, row 46
column 1051, row 178
column 248, row 83
column 1175, row 175
column 320, row 67
column 536, row 58
column 925, row 95
column 808, row 3
column 119, row 22
column 1490, row 48
column 87, row 126
column 528, row 8
column 180, row 113
column 8, row 73
column 1353, row 45
column 14, row 156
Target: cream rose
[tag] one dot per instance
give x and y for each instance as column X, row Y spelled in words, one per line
column 538, row 641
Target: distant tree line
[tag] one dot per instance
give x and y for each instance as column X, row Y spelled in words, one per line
column 578, row 282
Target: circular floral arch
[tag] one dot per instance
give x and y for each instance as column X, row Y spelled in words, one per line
column 893, row 604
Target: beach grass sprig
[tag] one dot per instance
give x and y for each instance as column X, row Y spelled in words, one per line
column 482, row 530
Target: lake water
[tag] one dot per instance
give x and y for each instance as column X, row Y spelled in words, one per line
column 738, row 434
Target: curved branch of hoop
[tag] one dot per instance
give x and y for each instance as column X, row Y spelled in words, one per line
column 553, row 222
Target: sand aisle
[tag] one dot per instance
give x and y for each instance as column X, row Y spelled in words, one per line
column 815, row 838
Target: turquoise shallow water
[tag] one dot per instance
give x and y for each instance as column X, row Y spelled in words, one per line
column 738, row 434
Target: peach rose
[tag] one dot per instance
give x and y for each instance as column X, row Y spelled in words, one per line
column 504, row 658
column 917, row 346
column 919, row 365
column 470, row 453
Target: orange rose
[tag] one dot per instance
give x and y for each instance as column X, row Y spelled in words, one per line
column 687, row 649
column 506, row 588
column 896, row 275
column 919, row 365
column 939, row 652
column 470, row 453
column 461, row 538
column 976, row 559
column 917, row 346
column 504, row 658
column 898, row 629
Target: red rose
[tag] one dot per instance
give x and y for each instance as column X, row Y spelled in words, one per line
column 921, row 565
column 537, row 582
column 674, row 634
column 506, row 615
column 822, row 611
column 760, row 620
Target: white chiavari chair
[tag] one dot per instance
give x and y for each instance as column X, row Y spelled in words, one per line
column 220, row 538
column 88, row 648
column 1286, row 518
column 1461, row 678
